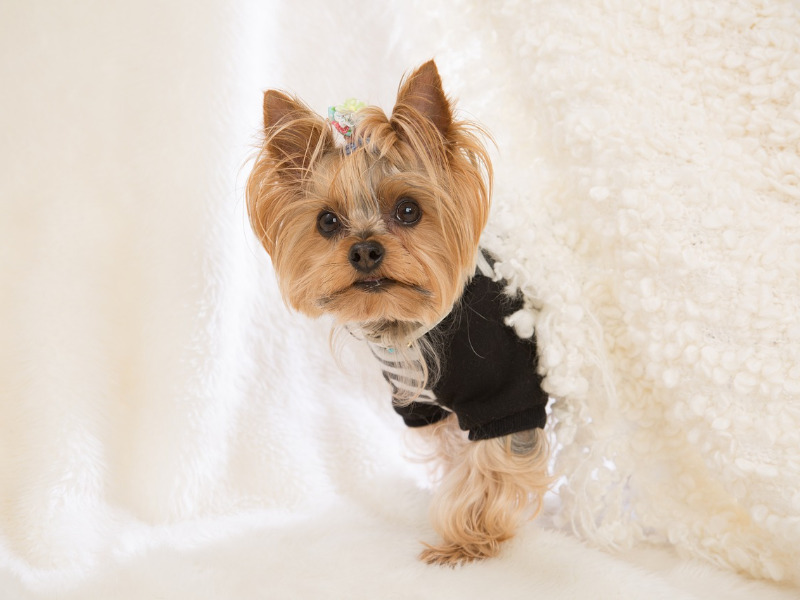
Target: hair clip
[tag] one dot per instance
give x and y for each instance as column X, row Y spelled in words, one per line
column 343, row 119
column 343, row 116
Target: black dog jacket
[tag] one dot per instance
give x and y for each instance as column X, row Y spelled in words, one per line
column 487, row 374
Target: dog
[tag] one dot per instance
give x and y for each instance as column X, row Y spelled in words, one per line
column 376, row 220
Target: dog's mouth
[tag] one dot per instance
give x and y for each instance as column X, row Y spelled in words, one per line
column 375, row 284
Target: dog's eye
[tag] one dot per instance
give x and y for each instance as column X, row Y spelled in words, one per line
column 407, row 212
column 328, row 223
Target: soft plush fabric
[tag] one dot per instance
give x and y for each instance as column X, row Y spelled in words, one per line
column 658, row 234
column 168, row 428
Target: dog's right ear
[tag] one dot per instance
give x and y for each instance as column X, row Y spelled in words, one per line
column 421, row 96
column 296, row 136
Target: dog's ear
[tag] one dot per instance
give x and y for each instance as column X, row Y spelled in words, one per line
column 421, row 94
column 296, row 136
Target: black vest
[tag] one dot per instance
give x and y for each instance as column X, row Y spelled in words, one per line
column 487, row 373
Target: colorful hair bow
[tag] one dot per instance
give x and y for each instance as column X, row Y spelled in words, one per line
column 343, row 119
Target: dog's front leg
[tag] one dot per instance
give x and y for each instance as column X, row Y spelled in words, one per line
column 490, row 487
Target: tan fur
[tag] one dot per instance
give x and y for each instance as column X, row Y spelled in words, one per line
column 421, row 152
column 486, row 491
column 300, row 173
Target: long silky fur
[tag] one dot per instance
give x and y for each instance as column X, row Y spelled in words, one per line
column 484, row 494
column 456, row 169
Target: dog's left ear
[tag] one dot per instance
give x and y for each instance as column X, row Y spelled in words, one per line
column 422, row 94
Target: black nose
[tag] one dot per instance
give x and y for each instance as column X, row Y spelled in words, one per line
column 366, row 256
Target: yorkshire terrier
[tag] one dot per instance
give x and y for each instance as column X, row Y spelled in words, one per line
column 376, row 221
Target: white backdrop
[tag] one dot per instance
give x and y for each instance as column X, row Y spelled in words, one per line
column 169, row 429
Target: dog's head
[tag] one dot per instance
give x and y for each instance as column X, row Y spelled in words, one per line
column 379, row 229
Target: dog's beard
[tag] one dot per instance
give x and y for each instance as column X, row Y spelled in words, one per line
column 378, row 301
column 387, row 309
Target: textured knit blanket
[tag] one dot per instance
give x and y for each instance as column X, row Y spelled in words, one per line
column 657, row 236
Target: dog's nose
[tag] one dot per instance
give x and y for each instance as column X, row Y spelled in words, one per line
column 366, row 256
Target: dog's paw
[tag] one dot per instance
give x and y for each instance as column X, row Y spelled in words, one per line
column 453, row 555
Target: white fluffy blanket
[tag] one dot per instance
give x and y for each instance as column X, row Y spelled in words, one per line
column 168, row 429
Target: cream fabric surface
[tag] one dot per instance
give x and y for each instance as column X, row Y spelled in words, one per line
column 169, row 429
column 660, row 240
